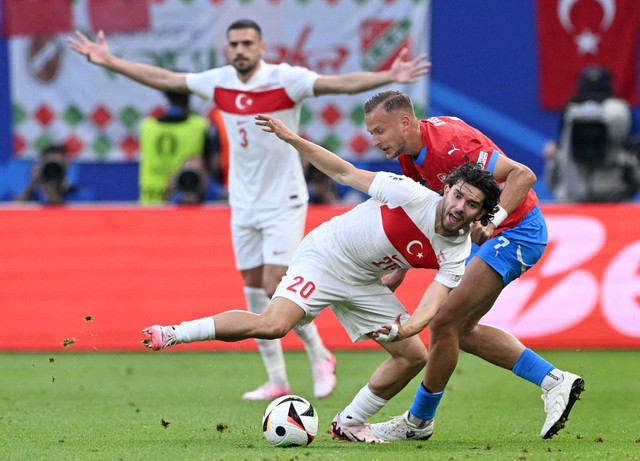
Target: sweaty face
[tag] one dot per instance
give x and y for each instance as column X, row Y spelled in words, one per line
column 244, row 49
column 387, row 131
column 461, row 206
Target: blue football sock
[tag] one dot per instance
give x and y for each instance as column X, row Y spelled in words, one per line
column 425, row 403
column 532, row 367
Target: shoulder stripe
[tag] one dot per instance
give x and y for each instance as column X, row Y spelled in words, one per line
column 492, row 161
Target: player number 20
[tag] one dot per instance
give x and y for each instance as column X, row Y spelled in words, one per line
column 304, row 291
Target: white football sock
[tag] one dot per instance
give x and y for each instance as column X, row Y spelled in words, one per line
column 552, row 379
column 270, row 349
column 312, row 342
column 202, row 329
column 364, row 405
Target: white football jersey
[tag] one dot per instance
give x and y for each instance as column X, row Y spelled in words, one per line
column 393, row 229
column 264, row 171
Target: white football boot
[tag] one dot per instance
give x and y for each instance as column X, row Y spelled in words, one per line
column 399, row 428
column 558, row 402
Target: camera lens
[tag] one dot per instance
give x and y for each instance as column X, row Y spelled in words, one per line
column 53, row 172
column 189, row 181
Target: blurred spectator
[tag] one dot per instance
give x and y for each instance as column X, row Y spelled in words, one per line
column 49, row 183
column 322, row 189
column 189, row 185
column 595, row 160
column 167, row 142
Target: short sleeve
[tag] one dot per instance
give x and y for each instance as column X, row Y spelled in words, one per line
column 450, row 274
column 203, row 83
column 395, row 190
column 298, row 81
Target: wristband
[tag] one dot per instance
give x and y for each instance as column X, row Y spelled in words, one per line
column 499, row 216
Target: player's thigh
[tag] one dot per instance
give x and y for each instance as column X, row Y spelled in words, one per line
column 272, row 276
column 311, row 288
column 247, row 239
column 282, row 232
column 368, row 306
column 514, row 251
column 283, row 314
column 471, row 299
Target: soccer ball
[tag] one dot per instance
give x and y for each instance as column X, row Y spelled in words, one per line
column 290, row 421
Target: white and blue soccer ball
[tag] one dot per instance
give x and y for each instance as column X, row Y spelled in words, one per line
column 290, row 421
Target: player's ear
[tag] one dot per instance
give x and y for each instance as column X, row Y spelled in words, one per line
column 445, row 190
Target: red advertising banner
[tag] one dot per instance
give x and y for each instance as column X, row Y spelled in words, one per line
column 92, row 278
column 36, row 17
column 113, row 16
column 577, row 33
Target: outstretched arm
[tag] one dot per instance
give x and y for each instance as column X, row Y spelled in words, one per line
column 432, row 301
column 330, row 164
column 401, row 71
column 98, row 53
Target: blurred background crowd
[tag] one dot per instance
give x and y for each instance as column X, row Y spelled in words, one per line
column 555, row 86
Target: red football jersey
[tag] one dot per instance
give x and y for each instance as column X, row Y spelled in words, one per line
column 448, row 142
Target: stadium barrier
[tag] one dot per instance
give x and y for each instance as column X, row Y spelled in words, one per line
column 88, row 279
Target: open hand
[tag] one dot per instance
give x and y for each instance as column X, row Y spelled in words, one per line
column 271, row 124
column 408, row 71
column 97, row 53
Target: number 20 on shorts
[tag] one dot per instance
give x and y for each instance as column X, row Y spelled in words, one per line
column 301, row 287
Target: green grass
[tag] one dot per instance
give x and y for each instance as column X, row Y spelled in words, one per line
column 88, row 406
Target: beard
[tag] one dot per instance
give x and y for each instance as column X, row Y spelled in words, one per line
column 245, row 68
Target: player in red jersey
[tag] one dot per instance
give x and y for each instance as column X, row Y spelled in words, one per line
column 515, row 240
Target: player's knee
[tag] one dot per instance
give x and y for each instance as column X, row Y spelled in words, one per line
column 464, row 339
column 443, row 325
column 420, row 359
column 270, row 287
column 273, row 331
column 463, row 342
column 415, row 358
column 274, row 327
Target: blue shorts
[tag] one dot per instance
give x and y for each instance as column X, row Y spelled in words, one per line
column 513, row 251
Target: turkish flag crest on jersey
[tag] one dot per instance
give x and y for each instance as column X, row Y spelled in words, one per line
column 577, row 33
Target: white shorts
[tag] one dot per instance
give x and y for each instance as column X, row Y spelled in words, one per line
column 266, row 236
column 360, row 307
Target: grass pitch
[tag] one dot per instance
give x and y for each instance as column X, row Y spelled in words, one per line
column 187, row 406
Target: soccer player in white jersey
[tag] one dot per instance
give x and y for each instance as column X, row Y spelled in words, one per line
column 267, row 191
column 340, row 264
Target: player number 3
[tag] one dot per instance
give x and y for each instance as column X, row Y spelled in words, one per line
column 244, row 142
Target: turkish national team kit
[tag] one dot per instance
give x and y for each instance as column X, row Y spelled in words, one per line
column 257, row 157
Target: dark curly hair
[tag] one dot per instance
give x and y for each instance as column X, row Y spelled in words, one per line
column 472, row 173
